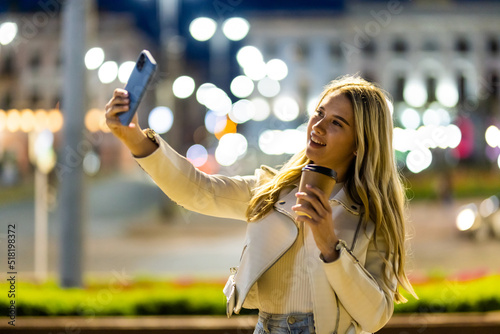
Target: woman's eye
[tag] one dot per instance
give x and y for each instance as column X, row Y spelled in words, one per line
column 319, row 113
column 337, row 123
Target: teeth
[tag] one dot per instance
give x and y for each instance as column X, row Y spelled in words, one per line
column 317, row 142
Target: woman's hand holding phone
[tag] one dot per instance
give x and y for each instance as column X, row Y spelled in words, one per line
column 131, row 135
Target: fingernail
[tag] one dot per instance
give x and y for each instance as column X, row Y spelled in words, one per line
column 308, row 186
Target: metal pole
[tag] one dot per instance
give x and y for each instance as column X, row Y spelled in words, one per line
column 219, row 60
column 71, row 156
column 41, row 225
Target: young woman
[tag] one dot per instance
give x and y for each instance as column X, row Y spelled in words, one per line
column 337, row 269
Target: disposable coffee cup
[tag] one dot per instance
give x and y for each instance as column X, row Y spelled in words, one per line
column 318, row 176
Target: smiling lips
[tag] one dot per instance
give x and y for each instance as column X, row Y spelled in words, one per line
column 316, row 139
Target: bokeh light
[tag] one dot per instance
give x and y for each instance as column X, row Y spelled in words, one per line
column 13, row 120
column 160, row 119
column 197, row 154
column 312, row 104
column 255, row 71
column 41, row 120
column 108, row 72
column 277, row 142
column 268, row 87
column 8, row 31
column 93, row 119
column 55, row 120
column 262, row 109
column 242, row 111
column 217, row 100
column 94, row 58
column 403, row 140
column 242, row 86
column 431, row 117
column 447, row 93
column 249, row 55
column 91, row 163
column 215, row 123
column 492, row 136
column 276, row 69
column 232, row 146
column 410, row 118
column 235, row 28
column 27, row 120
column 202, row 28
column 44, row 152
column 419, row 159
column 183, row 87
column 125, row 70
column 453, row 136
column 44, row 142
column 466, row 217
column 431, row 136
column 203, row 93
column 415, row 93
column 230, row 127
column 286, row 108
column 489, row 206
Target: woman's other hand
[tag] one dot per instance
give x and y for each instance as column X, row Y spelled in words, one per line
column 319, row 220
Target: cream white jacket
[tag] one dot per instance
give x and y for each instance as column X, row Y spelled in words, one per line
column 349, row 294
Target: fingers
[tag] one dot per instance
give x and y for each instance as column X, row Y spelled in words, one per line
column 119, row 92
column 116, row 107
column 118, row 103
column 318, row 208
column 320, row 195
column 316, row 197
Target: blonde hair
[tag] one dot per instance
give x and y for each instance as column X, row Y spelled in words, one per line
column 373, row 179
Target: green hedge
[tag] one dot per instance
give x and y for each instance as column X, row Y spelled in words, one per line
column 473, row 295
column 206, row 298
column 138, row 298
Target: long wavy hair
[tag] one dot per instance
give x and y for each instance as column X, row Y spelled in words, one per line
column 373, row 179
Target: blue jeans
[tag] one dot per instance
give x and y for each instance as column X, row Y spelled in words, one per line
column 302, row 323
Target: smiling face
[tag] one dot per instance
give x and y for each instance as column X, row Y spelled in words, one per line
column 331, row 140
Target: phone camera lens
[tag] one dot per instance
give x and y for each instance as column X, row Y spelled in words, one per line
column 140, row 62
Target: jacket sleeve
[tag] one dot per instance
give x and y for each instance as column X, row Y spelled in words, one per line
column 361, row 288
column 214, row 195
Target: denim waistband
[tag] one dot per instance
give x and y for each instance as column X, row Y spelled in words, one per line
column 288, row 321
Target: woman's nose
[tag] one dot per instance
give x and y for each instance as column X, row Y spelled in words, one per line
column 319, row 127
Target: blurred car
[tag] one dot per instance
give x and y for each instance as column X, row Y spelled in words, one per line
column 480, row 223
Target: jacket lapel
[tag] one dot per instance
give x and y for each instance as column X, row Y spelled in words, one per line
column 266, row 241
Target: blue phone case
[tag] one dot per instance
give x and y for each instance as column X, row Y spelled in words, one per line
column 137, row 84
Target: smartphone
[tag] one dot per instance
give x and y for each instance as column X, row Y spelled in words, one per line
column 137, row 84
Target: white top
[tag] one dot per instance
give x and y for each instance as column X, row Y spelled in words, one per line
column 285, row 288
